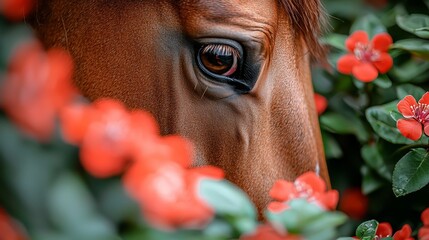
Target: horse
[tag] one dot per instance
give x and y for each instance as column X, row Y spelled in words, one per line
column 232, row 76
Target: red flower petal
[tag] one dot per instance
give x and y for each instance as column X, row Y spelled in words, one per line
column 208, row 171
column 365, row 72
column 384, row 230
column 282, row 189
column 75, row 120
column 404, row 106
column 16, row 9
column 277, row 207
column 330, row 199
column 314, row 181
column 384, row 63
column 382, row 42
column 425, row 217
column 425, row 98
column 409, row 128
column 9, row 229
column 346, row 63
column 424, row 233
column 357, row 37
column 354, row 203
column 403, row 234
column 102, row 157
column 321, row 103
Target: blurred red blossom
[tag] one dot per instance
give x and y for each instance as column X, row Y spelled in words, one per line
column 404, row 233
column 106, row 132
column 425, row 217
column 16, row 9
column 366, row 58
column 37, row 85
column 308, row 186
column 265, row 232
column 384, row 230
column 168, row 194
column 9, row 230
column 353, row 203
column 321, row 103
column 416, row 117
column 377, row 3
column 423, row 233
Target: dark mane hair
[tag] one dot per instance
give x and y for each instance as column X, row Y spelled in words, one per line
column 308, row 19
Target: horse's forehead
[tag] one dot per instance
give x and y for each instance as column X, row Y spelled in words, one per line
column 225, row 9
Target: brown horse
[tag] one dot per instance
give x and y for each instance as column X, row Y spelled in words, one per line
column 232, row 76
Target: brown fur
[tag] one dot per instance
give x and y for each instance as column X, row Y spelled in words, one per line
column 140, row 52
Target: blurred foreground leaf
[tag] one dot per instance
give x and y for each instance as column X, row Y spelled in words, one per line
column 417, row 24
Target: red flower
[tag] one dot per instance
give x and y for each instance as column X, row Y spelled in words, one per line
column 16, row 9
column 366, row 58
column 167, row 193
column 37, row 86
column 354, row 203
column 425, row 217
column 9, row 230
column 416, row 117
column 404, row 233
column 267, row 232
column 308, row 186
column 384, row 230
column 321, row 103
column 424, row 231
column 107, row 133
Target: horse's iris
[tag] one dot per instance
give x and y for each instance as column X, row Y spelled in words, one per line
column 219, row 59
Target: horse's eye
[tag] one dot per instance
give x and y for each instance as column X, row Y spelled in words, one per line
column 222, row 60
column 219, row 59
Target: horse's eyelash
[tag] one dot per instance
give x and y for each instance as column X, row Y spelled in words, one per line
column 222, row 49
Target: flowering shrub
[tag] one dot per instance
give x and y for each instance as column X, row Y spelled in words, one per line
column 132, row 183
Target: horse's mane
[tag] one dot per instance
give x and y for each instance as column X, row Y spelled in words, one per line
column 308, row 19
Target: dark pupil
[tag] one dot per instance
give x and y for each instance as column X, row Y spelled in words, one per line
column 216, row 62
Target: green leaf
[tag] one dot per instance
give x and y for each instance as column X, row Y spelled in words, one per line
column 417, row 24
column 381, row 122
column 331, row 146
column 409, row 89
column 370, row 181
column 335, row 40
column 367, row 230
column 411, row 172
column 413, row 70
column 370, row 24
column 336, row 123
column 74, row 211
column 383, row 81
column 340, row 124
column 395, row 115
column 307, row 220
column 418, row 47
column 229, row 203
column 374, row 160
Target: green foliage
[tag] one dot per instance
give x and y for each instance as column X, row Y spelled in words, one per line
column 411, row 172
column 367, row 230
column 417, row 24
column 230, row 203
column 308, row 220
